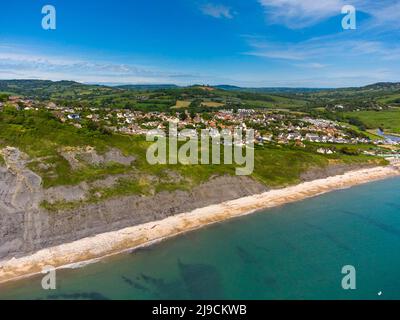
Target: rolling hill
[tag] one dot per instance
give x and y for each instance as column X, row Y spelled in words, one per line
column 162, row 97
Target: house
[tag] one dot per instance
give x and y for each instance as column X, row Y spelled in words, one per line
column 73, row 116
column 300, row 144
column 312, row 137
column 267, row 138
column 51, row 105
column 325, row 151
column 14, row 99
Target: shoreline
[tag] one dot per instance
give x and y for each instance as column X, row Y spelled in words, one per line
column 94, row 248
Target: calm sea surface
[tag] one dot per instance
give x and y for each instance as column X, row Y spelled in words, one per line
column 292, row 252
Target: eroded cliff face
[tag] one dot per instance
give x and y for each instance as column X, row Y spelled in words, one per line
column 20, row 195
column 25, row 227
column 20, row 188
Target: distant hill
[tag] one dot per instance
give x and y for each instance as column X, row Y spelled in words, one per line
column 42, row 88
column 269, row 89
column 387, row 86
column 161, row 97
column 380, row 86
column 25, row 86
column 147, row 86
column 158, row 97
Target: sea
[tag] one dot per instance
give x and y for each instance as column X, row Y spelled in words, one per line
column 340, row 245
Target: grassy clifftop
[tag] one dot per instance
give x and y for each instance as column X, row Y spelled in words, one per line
column 389, row 120
column 51, row 145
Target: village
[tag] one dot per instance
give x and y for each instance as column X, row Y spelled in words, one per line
column 280, row 127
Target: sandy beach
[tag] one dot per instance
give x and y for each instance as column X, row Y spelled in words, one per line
column 110, row 243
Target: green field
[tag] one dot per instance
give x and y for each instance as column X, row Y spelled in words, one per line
column 181, row 104
column 69, row 93
column 370, row 135
column 389, row 120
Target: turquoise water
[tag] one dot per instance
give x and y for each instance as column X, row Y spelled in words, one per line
column 292, row 252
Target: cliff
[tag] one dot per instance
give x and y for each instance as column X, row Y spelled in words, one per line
column 26, row 227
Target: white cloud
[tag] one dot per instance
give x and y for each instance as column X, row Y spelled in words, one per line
column 311, row 65
column 217, row 11
column 300, row 13
column 17, row 62
column 385, row 15
column 323, row 48
column 334, row 61
column 297, row 14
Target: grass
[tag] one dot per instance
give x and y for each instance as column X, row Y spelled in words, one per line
column 370, row 134
column 279, row 167
column 123, row 187
column 390, row 99
column 41, row 136
column 182, row 104
column 212, row 104
column 389, row 120
column 274, row 167
column 63, row 175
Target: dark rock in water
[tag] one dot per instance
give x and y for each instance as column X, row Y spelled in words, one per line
column 245, row 256
column 202, row 281
column 134, row 284
column 334, row 239
column 270, row 281
column 159, row 287
column 385, row 227
column 393, row 205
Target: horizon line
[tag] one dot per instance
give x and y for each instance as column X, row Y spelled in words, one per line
column 117, row 84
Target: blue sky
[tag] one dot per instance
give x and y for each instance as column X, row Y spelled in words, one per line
column 296, row 43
